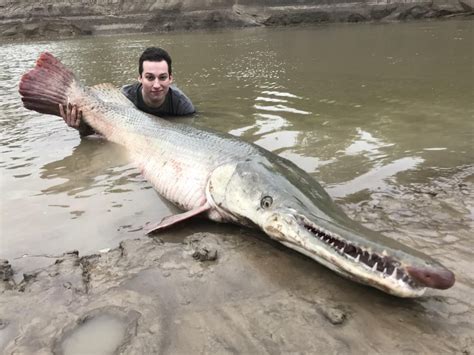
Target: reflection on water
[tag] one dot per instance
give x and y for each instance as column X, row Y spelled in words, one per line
column 367, row 145
column 360, row 107
column 277, row 141
column 94, row 166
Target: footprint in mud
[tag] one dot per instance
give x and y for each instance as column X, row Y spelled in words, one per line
column 101, row 335
column 100, row 332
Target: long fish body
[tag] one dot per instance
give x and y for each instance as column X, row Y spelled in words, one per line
column 229, row 180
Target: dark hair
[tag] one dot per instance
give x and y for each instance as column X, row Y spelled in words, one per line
column 154, row 54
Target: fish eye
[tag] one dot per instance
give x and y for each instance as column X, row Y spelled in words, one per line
column 266, row 201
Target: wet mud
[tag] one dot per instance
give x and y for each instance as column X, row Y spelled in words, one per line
column 225, row 289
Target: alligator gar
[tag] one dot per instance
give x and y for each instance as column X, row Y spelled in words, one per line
column 229, row 180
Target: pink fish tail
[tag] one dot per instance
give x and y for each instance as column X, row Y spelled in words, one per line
column 45, row 86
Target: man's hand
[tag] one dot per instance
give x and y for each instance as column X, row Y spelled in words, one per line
column 71, row 115
column 73, row 118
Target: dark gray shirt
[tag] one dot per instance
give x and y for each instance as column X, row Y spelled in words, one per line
column 176, row 102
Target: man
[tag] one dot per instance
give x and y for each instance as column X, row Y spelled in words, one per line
column 152, row 94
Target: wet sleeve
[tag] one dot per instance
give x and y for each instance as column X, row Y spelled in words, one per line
column 126, row 90
column 84, row 129
column 130, row 92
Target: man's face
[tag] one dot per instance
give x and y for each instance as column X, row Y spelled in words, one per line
column 155, row 82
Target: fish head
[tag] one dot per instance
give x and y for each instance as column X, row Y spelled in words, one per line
column 291, row 207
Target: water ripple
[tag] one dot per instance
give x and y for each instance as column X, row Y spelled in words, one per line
column 375, row 178
column 264, row 123
column 281, row 108
column 282, row 94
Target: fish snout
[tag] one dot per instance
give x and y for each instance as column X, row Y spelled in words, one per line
column 431, row 277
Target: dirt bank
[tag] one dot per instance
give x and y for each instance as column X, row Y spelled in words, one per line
column 48, row 19
column 234, row 291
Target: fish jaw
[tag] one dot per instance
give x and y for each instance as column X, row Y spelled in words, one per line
column 292, row 208
column 389, row 270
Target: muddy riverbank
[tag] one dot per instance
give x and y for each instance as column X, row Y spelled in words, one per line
column 195, row 290
column 48, row 19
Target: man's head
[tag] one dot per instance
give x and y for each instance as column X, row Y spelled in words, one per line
column 155, row 75
column 154, row 54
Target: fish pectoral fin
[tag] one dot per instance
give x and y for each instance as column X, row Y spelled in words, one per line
column 171, row 220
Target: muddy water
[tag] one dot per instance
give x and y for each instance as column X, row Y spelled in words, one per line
column 89, row 337
column 366, row 109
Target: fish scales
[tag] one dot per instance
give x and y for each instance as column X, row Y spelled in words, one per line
column 166, row 151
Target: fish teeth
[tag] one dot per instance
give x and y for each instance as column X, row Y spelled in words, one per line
column 358, row 258
column 374, row 268
column 394, row 273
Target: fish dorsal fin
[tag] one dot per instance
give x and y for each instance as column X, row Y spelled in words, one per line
column 109, row 93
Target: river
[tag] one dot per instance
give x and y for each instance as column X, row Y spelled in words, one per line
column 369, row 110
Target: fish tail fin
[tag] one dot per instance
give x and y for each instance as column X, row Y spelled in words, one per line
column 46, row 86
